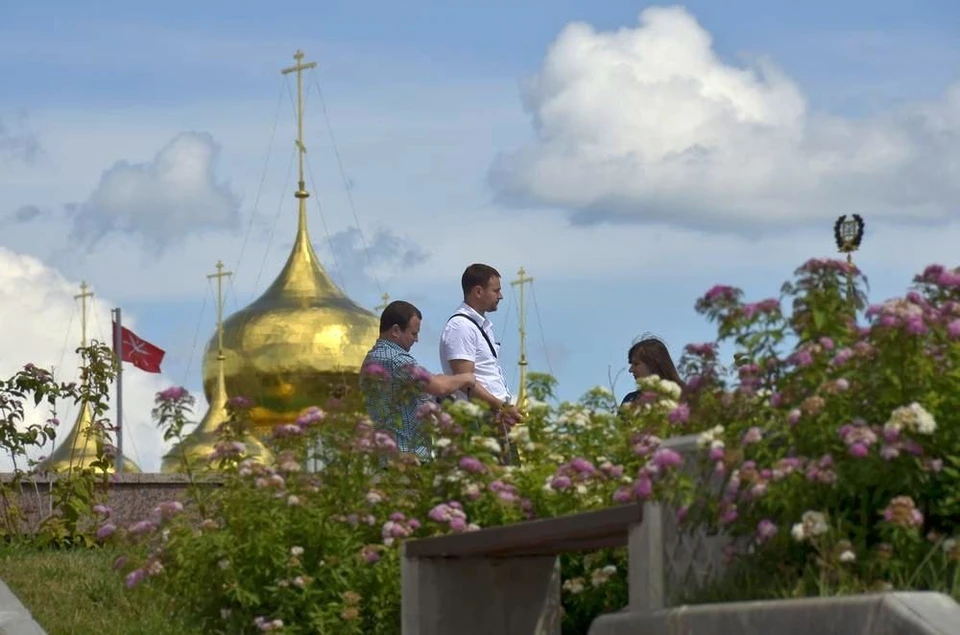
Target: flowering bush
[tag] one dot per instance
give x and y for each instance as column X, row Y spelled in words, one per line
column 831, row 449
column 76, row 492
column 284, row 547
column 835, row 443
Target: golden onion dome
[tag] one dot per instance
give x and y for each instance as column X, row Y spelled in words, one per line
column 297, row 345
column 196, row 448
column 79, row 448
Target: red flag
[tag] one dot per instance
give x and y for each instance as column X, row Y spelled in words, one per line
column 138, row 352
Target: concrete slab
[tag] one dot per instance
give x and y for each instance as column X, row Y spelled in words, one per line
column 880, row 614
column 15, row 619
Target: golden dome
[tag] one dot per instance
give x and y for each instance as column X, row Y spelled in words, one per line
column 199, row 444
column 299, row 343
column 79, row 448
column 303, row 340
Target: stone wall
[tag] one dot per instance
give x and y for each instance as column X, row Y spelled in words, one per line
column 131, row 496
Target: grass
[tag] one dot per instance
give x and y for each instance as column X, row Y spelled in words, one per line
column 76, row 592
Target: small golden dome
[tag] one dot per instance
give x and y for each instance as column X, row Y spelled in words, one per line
column 297, row 345
column 79, row 448
column 197, row 446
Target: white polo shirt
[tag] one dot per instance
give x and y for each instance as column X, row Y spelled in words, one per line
column 462, row 340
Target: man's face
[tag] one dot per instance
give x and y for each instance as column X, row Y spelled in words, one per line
column 409, row 336
column 491, row 295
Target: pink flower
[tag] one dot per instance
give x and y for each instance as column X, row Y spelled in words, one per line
column 174, row 393
column 679, row 415
column 729, row 515
column 472, row 464
column 106, row 530
column 311, row 416
column 370, row 554
column 560, row 483
column 239, row 403
column 802, row 358
column 716, row 454
column 766, row 530
column 794, row 417
column 458, row 524
column 420, row 374
column 643, row 487
column 903, row 512
column 953, row 329
column 384, row 441
column 842, row 357
column 135, row 577
column 753, row 435
column 142, row 527
column 859, row 450
column 720, row 291
column 286, row 430
column 889, row 452
column 583, row 466
column 706, row 351
column 102, row 510
column 667, row 458
column 826, row 343
column 622, row 495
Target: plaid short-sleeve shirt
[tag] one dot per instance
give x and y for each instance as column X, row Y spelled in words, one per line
column 390, row 397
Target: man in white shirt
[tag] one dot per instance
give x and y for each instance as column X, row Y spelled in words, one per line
column 468, row 344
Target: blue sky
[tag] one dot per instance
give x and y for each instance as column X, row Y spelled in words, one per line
column 427, row 101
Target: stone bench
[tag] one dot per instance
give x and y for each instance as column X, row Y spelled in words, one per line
column 506, row 580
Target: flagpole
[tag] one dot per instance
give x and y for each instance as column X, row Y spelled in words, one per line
column 118, row 351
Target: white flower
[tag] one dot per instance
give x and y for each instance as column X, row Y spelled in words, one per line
column 467, row 407
column 848, row 556
column 442, row 442
column 601, row 576
column 798, row 533
column 581, row 489
column 374, row 497
column 296, row 551
column 536, row 404
column 574, row 585
column 708, row 438
column 914, row 418
column 949, row 544
column 519, row 433
column 812, row 524
column 491, row 444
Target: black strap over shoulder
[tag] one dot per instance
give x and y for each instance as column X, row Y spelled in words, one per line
column 493, row 351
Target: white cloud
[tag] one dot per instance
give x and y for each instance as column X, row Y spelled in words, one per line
column 649, row 124
column 18, row 142
column 41, row 324
column 163, row 201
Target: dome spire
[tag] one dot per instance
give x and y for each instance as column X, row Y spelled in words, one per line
column 298, row 68
column 199, row 444
column 80, row 447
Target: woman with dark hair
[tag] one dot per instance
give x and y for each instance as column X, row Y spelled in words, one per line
column 647, row 357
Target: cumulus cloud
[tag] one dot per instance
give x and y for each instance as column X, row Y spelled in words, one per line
column 357, row 260
column 648, row 124
column 23, row 214
column 41, row 324
column 18, row 142
column 163, row 201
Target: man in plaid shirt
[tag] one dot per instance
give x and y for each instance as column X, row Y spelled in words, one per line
column 394, row 386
